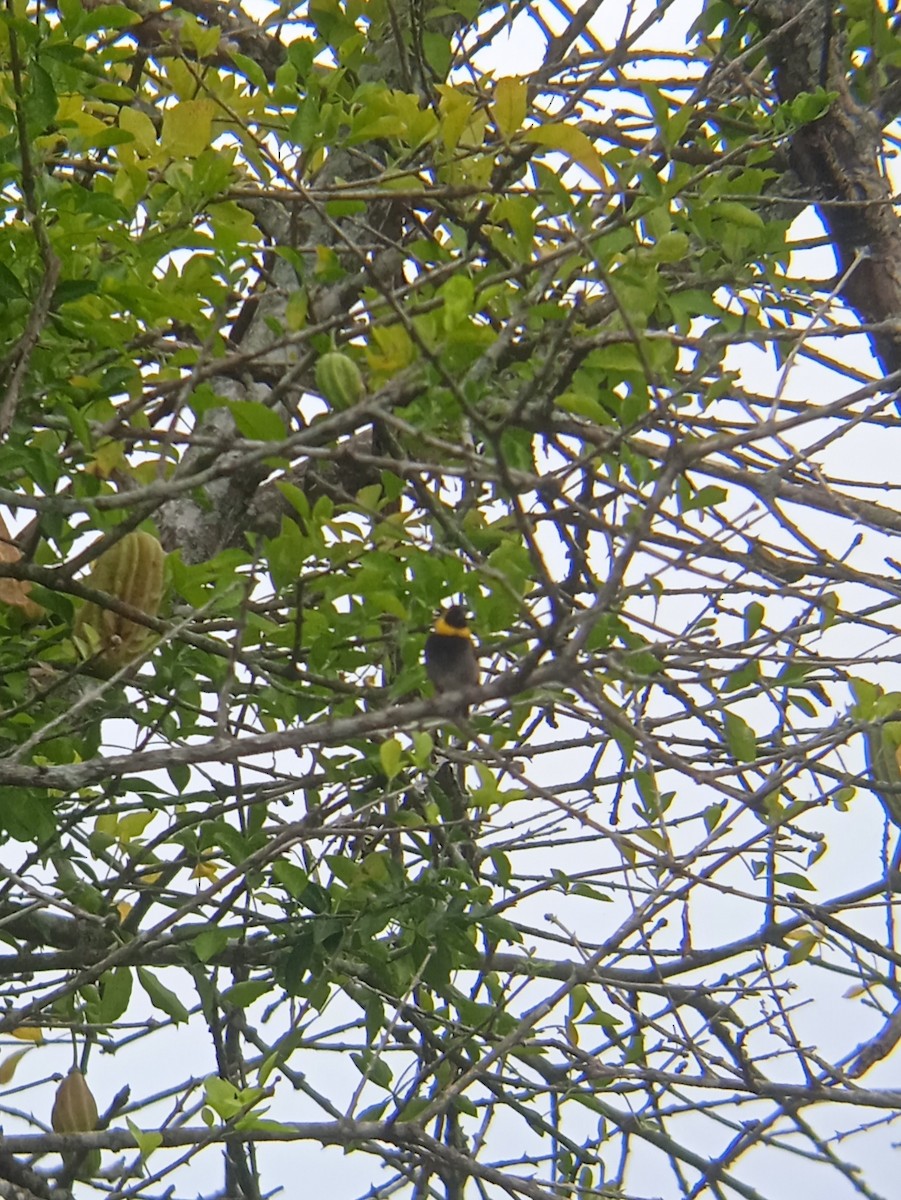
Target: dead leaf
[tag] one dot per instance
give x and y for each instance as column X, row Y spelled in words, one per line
column 15, row 592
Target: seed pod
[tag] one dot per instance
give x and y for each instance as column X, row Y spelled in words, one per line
column 338, row 378
column 74, row 1109
column 133, row 571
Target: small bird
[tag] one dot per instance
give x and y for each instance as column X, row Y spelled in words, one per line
column 451, row 662
column 883, row 755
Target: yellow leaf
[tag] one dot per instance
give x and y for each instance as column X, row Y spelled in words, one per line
column 205, row 870
column 509, row 105
column 474, row 132
column 134, row 825
column 454, row 109
column 72, row 114
column 327, row 260
column 574, row 144
column 188, row 128
column 130, row 181
column 396, row 349
column 108, row 457
column 9, row 1064
column 653, row 837
column 29, row 1033
column 296, row 310
column 141, row 128
column 123, row 908
column 106, row 824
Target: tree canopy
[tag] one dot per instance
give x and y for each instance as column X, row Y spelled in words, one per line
column 314, row 320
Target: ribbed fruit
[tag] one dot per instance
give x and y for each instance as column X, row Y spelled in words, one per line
column 338, row 378
column 133, row 571
column 74, row 1109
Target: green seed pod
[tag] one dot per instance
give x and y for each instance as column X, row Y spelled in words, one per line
column 133, row 571
column 338, row 378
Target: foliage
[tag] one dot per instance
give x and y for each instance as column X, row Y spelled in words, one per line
column 357, row 322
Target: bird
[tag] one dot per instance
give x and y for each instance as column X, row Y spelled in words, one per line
column 451, row 661
column 883, row 755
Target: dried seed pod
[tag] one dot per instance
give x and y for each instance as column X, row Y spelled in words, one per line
column 74, row 1109
column 133, row 571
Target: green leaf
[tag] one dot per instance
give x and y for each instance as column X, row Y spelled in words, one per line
column 188, row 128
column 41, row 102
column 256, row 421
column 830, row 608
column 508, row 105
column 646, row 783
column 222, row 1096
column 286, row 554
column 793, row 879
column 705, row 497
column 866, row 694
column 240, row 995
column 590, row 893
column 180, row 774
column 740, row 738
column 376, row 1070
column 736, row 214
column 10, row 288
column 374, row 1112
column 115, row 993
column 390, row 756
column 292, row 877
column 438, row 52
column 345, row 870
column 743, row 677
column 147, row 1141
column 810, row 106
column 572, row 143
column 296, row 310
column 712, row 816
column 209, row 943
column 458, row 295
column 295, row 497
column 250, row 69
column 754, row 614
column 423, row 746
column 635, row 1050
column 412, row 1109
column 161, row 997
